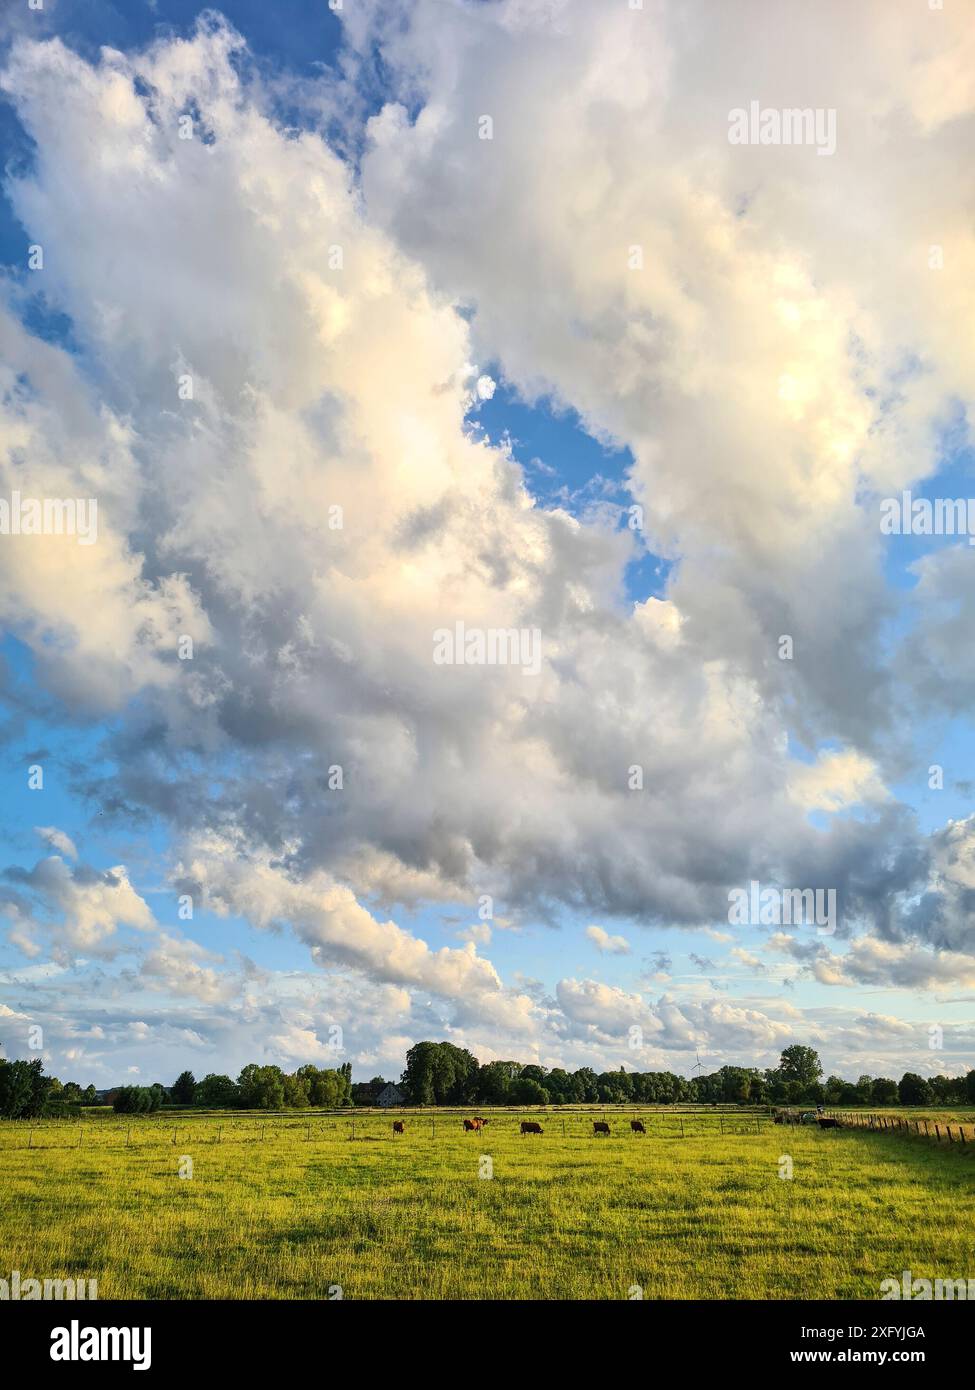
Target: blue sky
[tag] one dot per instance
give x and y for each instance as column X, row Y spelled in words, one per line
column 715, row 390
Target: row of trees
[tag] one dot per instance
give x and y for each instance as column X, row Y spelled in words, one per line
column 139, row 1100
column 26, row 1093
column 442, row 1074
column 266, row 1088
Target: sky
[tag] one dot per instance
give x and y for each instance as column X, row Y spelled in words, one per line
column 361, row 321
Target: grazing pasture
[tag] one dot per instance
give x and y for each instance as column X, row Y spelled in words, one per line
column 293, row 1206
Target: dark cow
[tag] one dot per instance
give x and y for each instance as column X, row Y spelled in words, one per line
column 531, row 1127
column 826, row 1123
column 600, row 1127
column 398, row 1126
column 637, row 1127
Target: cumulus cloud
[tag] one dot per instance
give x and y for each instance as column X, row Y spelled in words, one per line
column 327, row 372
column 608, row 945
column 873, row 962
column 277, row 425
column 75, row 909
column 332, row 923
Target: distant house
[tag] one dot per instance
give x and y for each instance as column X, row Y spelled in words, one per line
column 390, row 1095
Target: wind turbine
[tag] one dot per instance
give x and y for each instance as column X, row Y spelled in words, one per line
column 698, row 1065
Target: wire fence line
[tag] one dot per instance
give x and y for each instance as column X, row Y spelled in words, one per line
column 113, row 1132
column 939, row 1130
column 105, row 1135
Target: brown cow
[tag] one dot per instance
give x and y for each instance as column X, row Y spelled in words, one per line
column 531, row 1127
column 600, row 1127
column 637, row 1127
column 475, row 1124
column 398, row 1126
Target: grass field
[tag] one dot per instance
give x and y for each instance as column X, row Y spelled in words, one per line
column 291, row 1206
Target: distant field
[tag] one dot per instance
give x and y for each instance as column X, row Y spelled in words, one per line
column 289, row 1206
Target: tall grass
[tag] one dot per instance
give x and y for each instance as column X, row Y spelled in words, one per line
column 288, row 1216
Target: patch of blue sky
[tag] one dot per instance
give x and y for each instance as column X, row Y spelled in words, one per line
column 954, row 480
column 950, row 748
column 565, row 466
column 297, row 34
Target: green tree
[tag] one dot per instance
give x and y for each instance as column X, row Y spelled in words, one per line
column 25, row 1092
column 184, row 1089
column 261, row 1088
column 137, row 1100
column 15, row 1089
column 526, row 1091
column 217, row 1092
column 419, row 1076
column 588, row 1083
column 864, row 1089
column 913, row 1089
column 297, row 1090
column 492, row 1085
column 800, row 1064
column 883, row 1091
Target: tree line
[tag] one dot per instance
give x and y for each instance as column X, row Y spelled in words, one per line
column 442, row 1074
column 25, row 1092
column 266, row 1088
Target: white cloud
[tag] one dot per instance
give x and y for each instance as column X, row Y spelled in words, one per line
column 57, row 839
column 754, row 366
column 608, row 945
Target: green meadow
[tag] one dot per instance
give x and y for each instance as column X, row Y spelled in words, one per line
column 296, row 1207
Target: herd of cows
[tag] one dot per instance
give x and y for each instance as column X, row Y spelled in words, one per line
column 780, row 1117
column 477, row 1123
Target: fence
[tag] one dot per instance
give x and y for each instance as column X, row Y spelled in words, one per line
column 904, row 1125
column 147, row 1132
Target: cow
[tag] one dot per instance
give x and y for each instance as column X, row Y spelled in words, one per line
column 474, row 1124
column 600, row 1127
column 637, row 1127
column 531, row 1127
column 398, row 1126
column 825, row 1122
